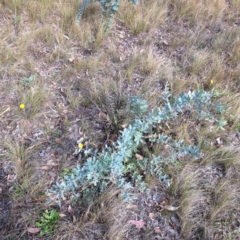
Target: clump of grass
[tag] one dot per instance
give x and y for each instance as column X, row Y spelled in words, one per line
column 198, row 11
column 47, row 36
column 67, row 13
column 39, row 11
column 105, row 219
column 88, row 65
column 234, row 57
column 198, row 60
column 233, row 11
column 10, row 54
column 13, row 5
column 194, row 210
column 210, row 200
column 26, row 185
column 144, row 16
column 111, row 100
column 225, row 201
column 100, row 35
column 32, row 102
column 89, row 33
column 146, row 64
column 18, row 154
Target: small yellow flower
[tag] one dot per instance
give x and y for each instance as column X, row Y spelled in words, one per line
column 80, row 145
column 22, row 105
column 211, row 81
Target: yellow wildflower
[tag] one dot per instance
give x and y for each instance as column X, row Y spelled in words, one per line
column 211, row 81
column 80, row 145
column 22, row 105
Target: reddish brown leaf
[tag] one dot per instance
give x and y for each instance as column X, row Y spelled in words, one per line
column 61, row 215
column 45, row 168
column 138, row 156
column 58, row 140
column 138, row 224
column 10, row 177
column 151, row 215
column 131, row 206
column 33, row 230
column 87, row 73
column 165, row 42
column 170, row 208
column 53, row 164
column 70, row 209
column 157, row 230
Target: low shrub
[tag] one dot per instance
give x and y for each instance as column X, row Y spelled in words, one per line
column 127, row 161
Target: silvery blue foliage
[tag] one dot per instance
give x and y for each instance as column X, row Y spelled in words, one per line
column 109, row 8
column 111, row 165
column 138, row 106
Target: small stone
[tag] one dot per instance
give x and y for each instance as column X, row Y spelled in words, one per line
column 42, row 153
column 156, row 197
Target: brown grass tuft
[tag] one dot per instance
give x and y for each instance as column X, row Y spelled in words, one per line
column 143, row 17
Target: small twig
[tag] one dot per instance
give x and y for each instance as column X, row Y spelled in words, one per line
column 6, row 110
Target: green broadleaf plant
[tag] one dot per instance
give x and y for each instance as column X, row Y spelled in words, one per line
column 221, row 123
column 48, row 222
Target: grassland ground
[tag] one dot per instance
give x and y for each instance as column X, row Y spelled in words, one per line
column 75, row 82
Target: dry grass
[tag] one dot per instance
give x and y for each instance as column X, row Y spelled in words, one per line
column 143, row 17
column 198, row 12
column 103, row 220
column 34, row 100
column 207, row 200
column 67, row 74
column 19, row 155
